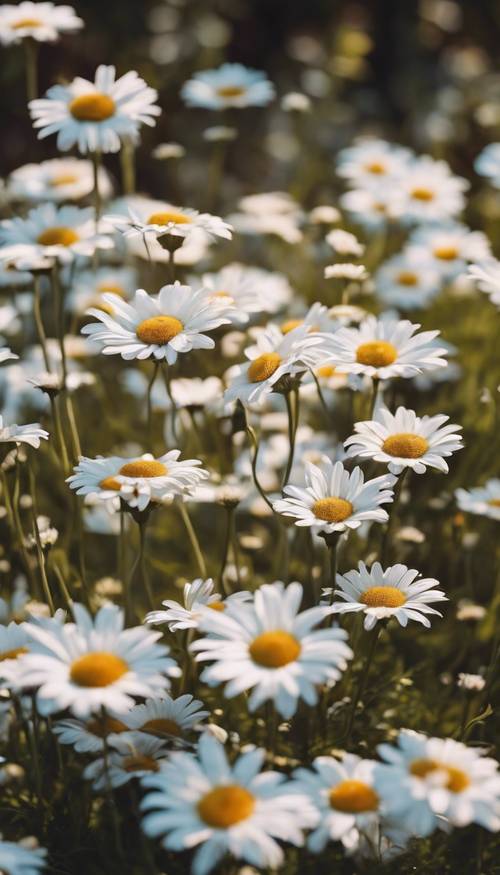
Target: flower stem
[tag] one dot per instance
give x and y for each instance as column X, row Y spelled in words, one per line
column 255, row 444
column 374, row 636
column 39, row 548
column 31, row 62
column 386, row 540
column 37, row 312
column 149, row 404
column 127, row 162
column 195, row 544
column 173, row 406
column 292, row 408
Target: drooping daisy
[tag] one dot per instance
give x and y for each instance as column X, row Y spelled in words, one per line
column 231, row 86
column 270, row 647
column 89, row 736
column 138, row 481
column 43, row 22
column 407, row 281
column 131, row 755
column 370, row 161
column 450, row 246
column 487, row 163
column 385, row 348
column 21, row 858
column 426, row 778
column 196, row 596
column 381, row 594
column 345, row 797
column 274, row 356
column 96, row 116
column 487, row 277
column 157, row 219
column 23, row 434
column 483, row 500
column 203, row 802
column 336, row 500
column 166, row 717
column 60, row 179
column 157, row 327
column 89, row 286
column 429, row 192
column 90, row 664
column 48, row 231
column 404, row 440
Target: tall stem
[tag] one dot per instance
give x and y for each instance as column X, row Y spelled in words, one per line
column 173, row 406
column 386, row 540
column 255, row 444
column 292, row 408
column 127, row 161
column 150, row 405
column 142, row 563
column 374, row 636
column 37, row 312
column 58, row 294
column 39, row 548
column 31, row 62
column 195, row 544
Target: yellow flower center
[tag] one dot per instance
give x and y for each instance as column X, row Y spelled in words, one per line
column 63, row 179
column 26, row 22
column 290, row 325
column 222, row 807
column 263, row 367
column 162, row 725
column 353, row 797
column 457, row 780
column 103, row 728
column 144, row 468
column 217, row 606
column 446, row 253
column 110, row 483
column 376, row 353
column 113, row 288
column 375, row 167
column 407, row 278
column 332, row 510
column 274, row 649
column 325, row 371
column 383, row 597
column 140, row 763
column 494, row 502
column 224, row 295
column 13, row 654
column 57, row 237
column 97, row 669
column 165, row 218
column 405, row 446
column 231, row 91
column 93, row 107
column 159, row 329
column 422, row 194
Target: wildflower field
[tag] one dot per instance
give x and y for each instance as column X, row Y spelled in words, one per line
column 249, row 438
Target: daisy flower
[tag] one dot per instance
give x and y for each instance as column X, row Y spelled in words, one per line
column 90, row 664
column 370, row 207
column 157, row 219
column 270, row 647
column 404, row 440
column 237, row 287
column 316, row 319
column 202, row 801
column 487, row 163
column 384, row 348
column 7, row 355
column 13, row 647
column 344, row 795
column 231, row 86
column 346, row 271
column 430, row 778
column 89, row 736
column 274, row 356
column 96, row 116
column 449, row 246
column 196, row 596
column 137, row 481
column 132, row 755
column 48, row 231
column 23, row 434
column 372, row 161
column 487, row 277
column 158, row 327
column 60, row 179
column 428, row 192
column 483, row 500
column 166, row 716
column 407, row 281
column 43, row 22
column 89, row 286
column 21, row 858
column 269, row 213
column 381, row 594
column 336, row 500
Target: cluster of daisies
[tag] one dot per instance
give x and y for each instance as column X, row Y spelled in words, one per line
column 118, row 684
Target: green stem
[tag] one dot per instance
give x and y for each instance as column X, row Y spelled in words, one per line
column 31, row 62
column 374, row 636
column 127, row 162
column 173, row 406
column 37, row 312
column 39, row 548
column 225, row 552
column 58, row 294
column 142, row 564
column 253, row 438
column 56, row 418
column 195, row 544
column 386, row 540
column 17, row 521
column 150, row 404
column 292, row 408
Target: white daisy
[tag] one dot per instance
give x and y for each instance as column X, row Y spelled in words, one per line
column 48, row 231
column 370, row 207
column 344, row 795
column 228, row 87
column 137, row 481
column 89, row 286
column 372, row 161
column 93, row 664
column 385, row 348
column 21, row 858
column 43, row 22
column 238, row 287
column 408, row 280
column 404, row 440
column 272, row 648
column 23, row 434
column 89, row 736
column 196, row 596
column 428, row 192
column 204, row 801
column 269, row 213
column 158, row 219
column 167, row 717
column 487, row 163
column 483, row 500
column 381, row 594
column 431, row 778
column 487, row 277
column 316, row 319
column 449, row 245
column 14, row 645
column 60, row 179
column 346, row 271
column 158, row 327
column 96, row 116
column 336, row 500
column 7, row 355
column 132, row 755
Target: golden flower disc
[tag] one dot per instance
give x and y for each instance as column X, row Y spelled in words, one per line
column 407, row 278
column 57, row 237
column 94, row 107
column 222, row 807
column 383, row 597
column 405, row 446
column 376, row 353
column 97, row 669
column 456, row 782
column 162, row 725
column 332, row 510
column 140, row 763
column 159, row 329
column 274, row 649
column 263, row 367
column 166, row 218
column 353, row 797
column 143, row 468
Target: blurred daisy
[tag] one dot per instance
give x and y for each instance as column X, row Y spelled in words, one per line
column 90, row 664
column 7, row 355
column 158, row 327
column 404, row 440
column 96, row 116
column 132, row 755
column 43, row 22
column 346, row 271
column 449, row 245
column 204, row 801
column 428, row 192
column 23, row 434
column 157, row 219
column 269, row 213
column 89, row 736
column 336, row 500
column 385, row 348
column 487, row 277
column 345, row 243
column 381, row 594
column 270, row 647
column 88, row 287
column 407, row 281
column 370, row 207
column 370, row 161
column 316, row 319
column 483, row 500
column 228, row 87
column 427, row 779
column 48, row 231
column 166, row 716
column 238, row 287
column 487, row 163
column 14, row 645
column 196, row 597
column 21, row 858
column 60, row 179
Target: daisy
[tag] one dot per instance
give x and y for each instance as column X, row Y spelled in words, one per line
column 132, row 755
column 91, row 735
column 43, row 22
column 483, row 500
column 90, row 664
column 14, row 644
column 273, row 357
column 426, row 779
column 237, row 287
column 428, row 192
column 158, row 219
column 370, row 161
column 345, row 243
column 231, row 86
column 60, row 179
column 344, row 795
column 370, row 207
column 408, row 280
column 21, row 858
column 487, row 277
column 7, row 355
column 381, row 594
column 137, row 481
column 404, row 440
column 487, row 163
column 158, row 327
column 270, row 647
column 96, row 116
column 346, row 271
column 269, row 213
column 89, row 286
column 196, row 596
column 204, row 802
column 449, row 245
column 316, row 319
column 336, row 500
column 23, row 434
column 48, row 231
column 384, row 348
column 174, row 718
